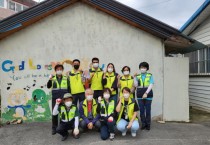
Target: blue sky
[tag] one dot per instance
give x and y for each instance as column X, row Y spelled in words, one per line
column 172, row 12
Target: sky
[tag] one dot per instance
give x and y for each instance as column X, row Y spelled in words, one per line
column 171, row 12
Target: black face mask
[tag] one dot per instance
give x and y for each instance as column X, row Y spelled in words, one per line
column 76, row 66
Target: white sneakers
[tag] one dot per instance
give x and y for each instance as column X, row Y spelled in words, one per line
column 133, row 134
column 124, row 133
column 111, row 137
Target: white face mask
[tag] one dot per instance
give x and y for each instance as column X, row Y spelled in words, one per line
column 95, row 65
column 59, row 72
column 126, row 95
column 68, row 104
column 143, row 70
column 90, row 97
column 106, row 96
column 110, row 69
column 126, row 72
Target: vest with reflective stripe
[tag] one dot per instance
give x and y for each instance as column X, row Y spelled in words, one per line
column 126, row 83
column 109, row 81
column 57, row 86
column 94, row 108
column 130, row 108
column 96, row 82
column 146, row 82
column 105, row 112
column 67, row 116
column 76, row 84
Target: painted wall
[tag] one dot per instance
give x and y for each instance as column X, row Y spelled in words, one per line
column 78, row 31
column 176, row 97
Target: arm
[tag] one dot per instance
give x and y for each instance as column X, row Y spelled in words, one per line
column 68, row 85
column 149, row 88
column 76, row 122
column 119, row 105
column 49, row 84
column 115, row 83
column 55, row 110
column 82, row 115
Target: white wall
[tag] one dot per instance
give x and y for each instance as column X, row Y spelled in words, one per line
column 176, row 98
column 79, row 31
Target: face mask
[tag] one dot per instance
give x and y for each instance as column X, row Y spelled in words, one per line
column 106, row 96
column 59, row 72
column 68, row 104
column 126, row 95
column 110, row 70
column 126, row 72
column 90, row 97
column 143, row 70
column 95, row 64
column 76, row 67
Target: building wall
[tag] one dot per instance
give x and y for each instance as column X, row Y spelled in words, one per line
column 78, row 31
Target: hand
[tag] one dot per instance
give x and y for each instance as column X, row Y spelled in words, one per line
column 58, row 101
column 118, row 77
column 144, row 96
column 135, row 75
column 110, row 119
column 129, row 125
column 112, row 89
column 90, row 125
column 76, row 131
column 104, row 76
column 50, row 77
column 99, row 99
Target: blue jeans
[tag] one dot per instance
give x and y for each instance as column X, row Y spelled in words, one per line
column 145, row 111
column 122, row 126
column 106, row 129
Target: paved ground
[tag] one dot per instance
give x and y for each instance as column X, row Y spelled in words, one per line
column 160, row 134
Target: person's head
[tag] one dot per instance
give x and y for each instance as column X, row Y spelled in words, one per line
column 110, row 68
column 144, row 67
column 67, row 99
column 126, row 92
column 59, row 69
column 95, row 62
column 106, row 93
column 76, row 64
column 89, row 94
column 126, row 70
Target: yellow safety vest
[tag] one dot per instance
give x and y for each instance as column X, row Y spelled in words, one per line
column 146, row 82
column 76, row 84
column 109, row 81
column 126, row 82
column 62, row 86
column 111, row 107
column 130, row 109
column 96, row 82
column 94, row 108
column 71, row 114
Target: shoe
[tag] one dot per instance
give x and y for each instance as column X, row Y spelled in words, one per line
column 111, row 137
column 64, row 137
column 133, row 134
column 143, row 127
column 124, row 133
column 53, row 131
column 148, row 127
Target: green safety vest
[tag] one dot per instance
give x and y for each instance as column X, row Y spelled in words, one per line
column 94, row 108
column 146, row 82
column 62, row 86
column 110, row 79
column 111, row 108
column 126, row 83
column 68, row 116
column 96, row 82
column 130, row 108
column 76, row 84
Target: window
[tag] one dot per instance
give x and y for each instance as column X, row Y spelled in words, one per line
column 24, row 7
column 18, row 7
column 199, row 61
column 11, row 5
column 1, row 3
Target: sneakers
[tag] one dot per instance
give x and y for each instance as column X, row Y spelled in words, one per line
column 124, row 133
column 111, row 136
column 53, row 131
column 133, row 134
column 148, row 127
column 143, row 127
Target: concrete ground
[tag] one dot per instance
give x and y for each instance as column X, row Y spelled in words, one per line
column 160, row 134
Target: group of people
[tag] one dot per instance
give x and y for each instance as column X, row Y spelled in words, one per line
column 100, row 100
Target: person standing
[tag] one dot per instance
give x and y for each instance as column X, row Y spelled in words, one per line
column 59, row 85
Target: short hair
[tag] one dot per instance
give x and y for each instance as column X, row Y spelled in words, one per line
column 127, row 89
column 107, row 90
column 126, row 67
column 95, row 58
column 89, row 89
column 144, row 64
column 59, row 65
column 76, row 60
column 112, row 65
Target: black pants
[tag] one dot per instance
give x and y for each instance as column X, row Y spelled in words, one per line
column 54, row 118
column 106, row 129
column 63, row 127
column 83, row 125
column 79, row 96
column 97, row 93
